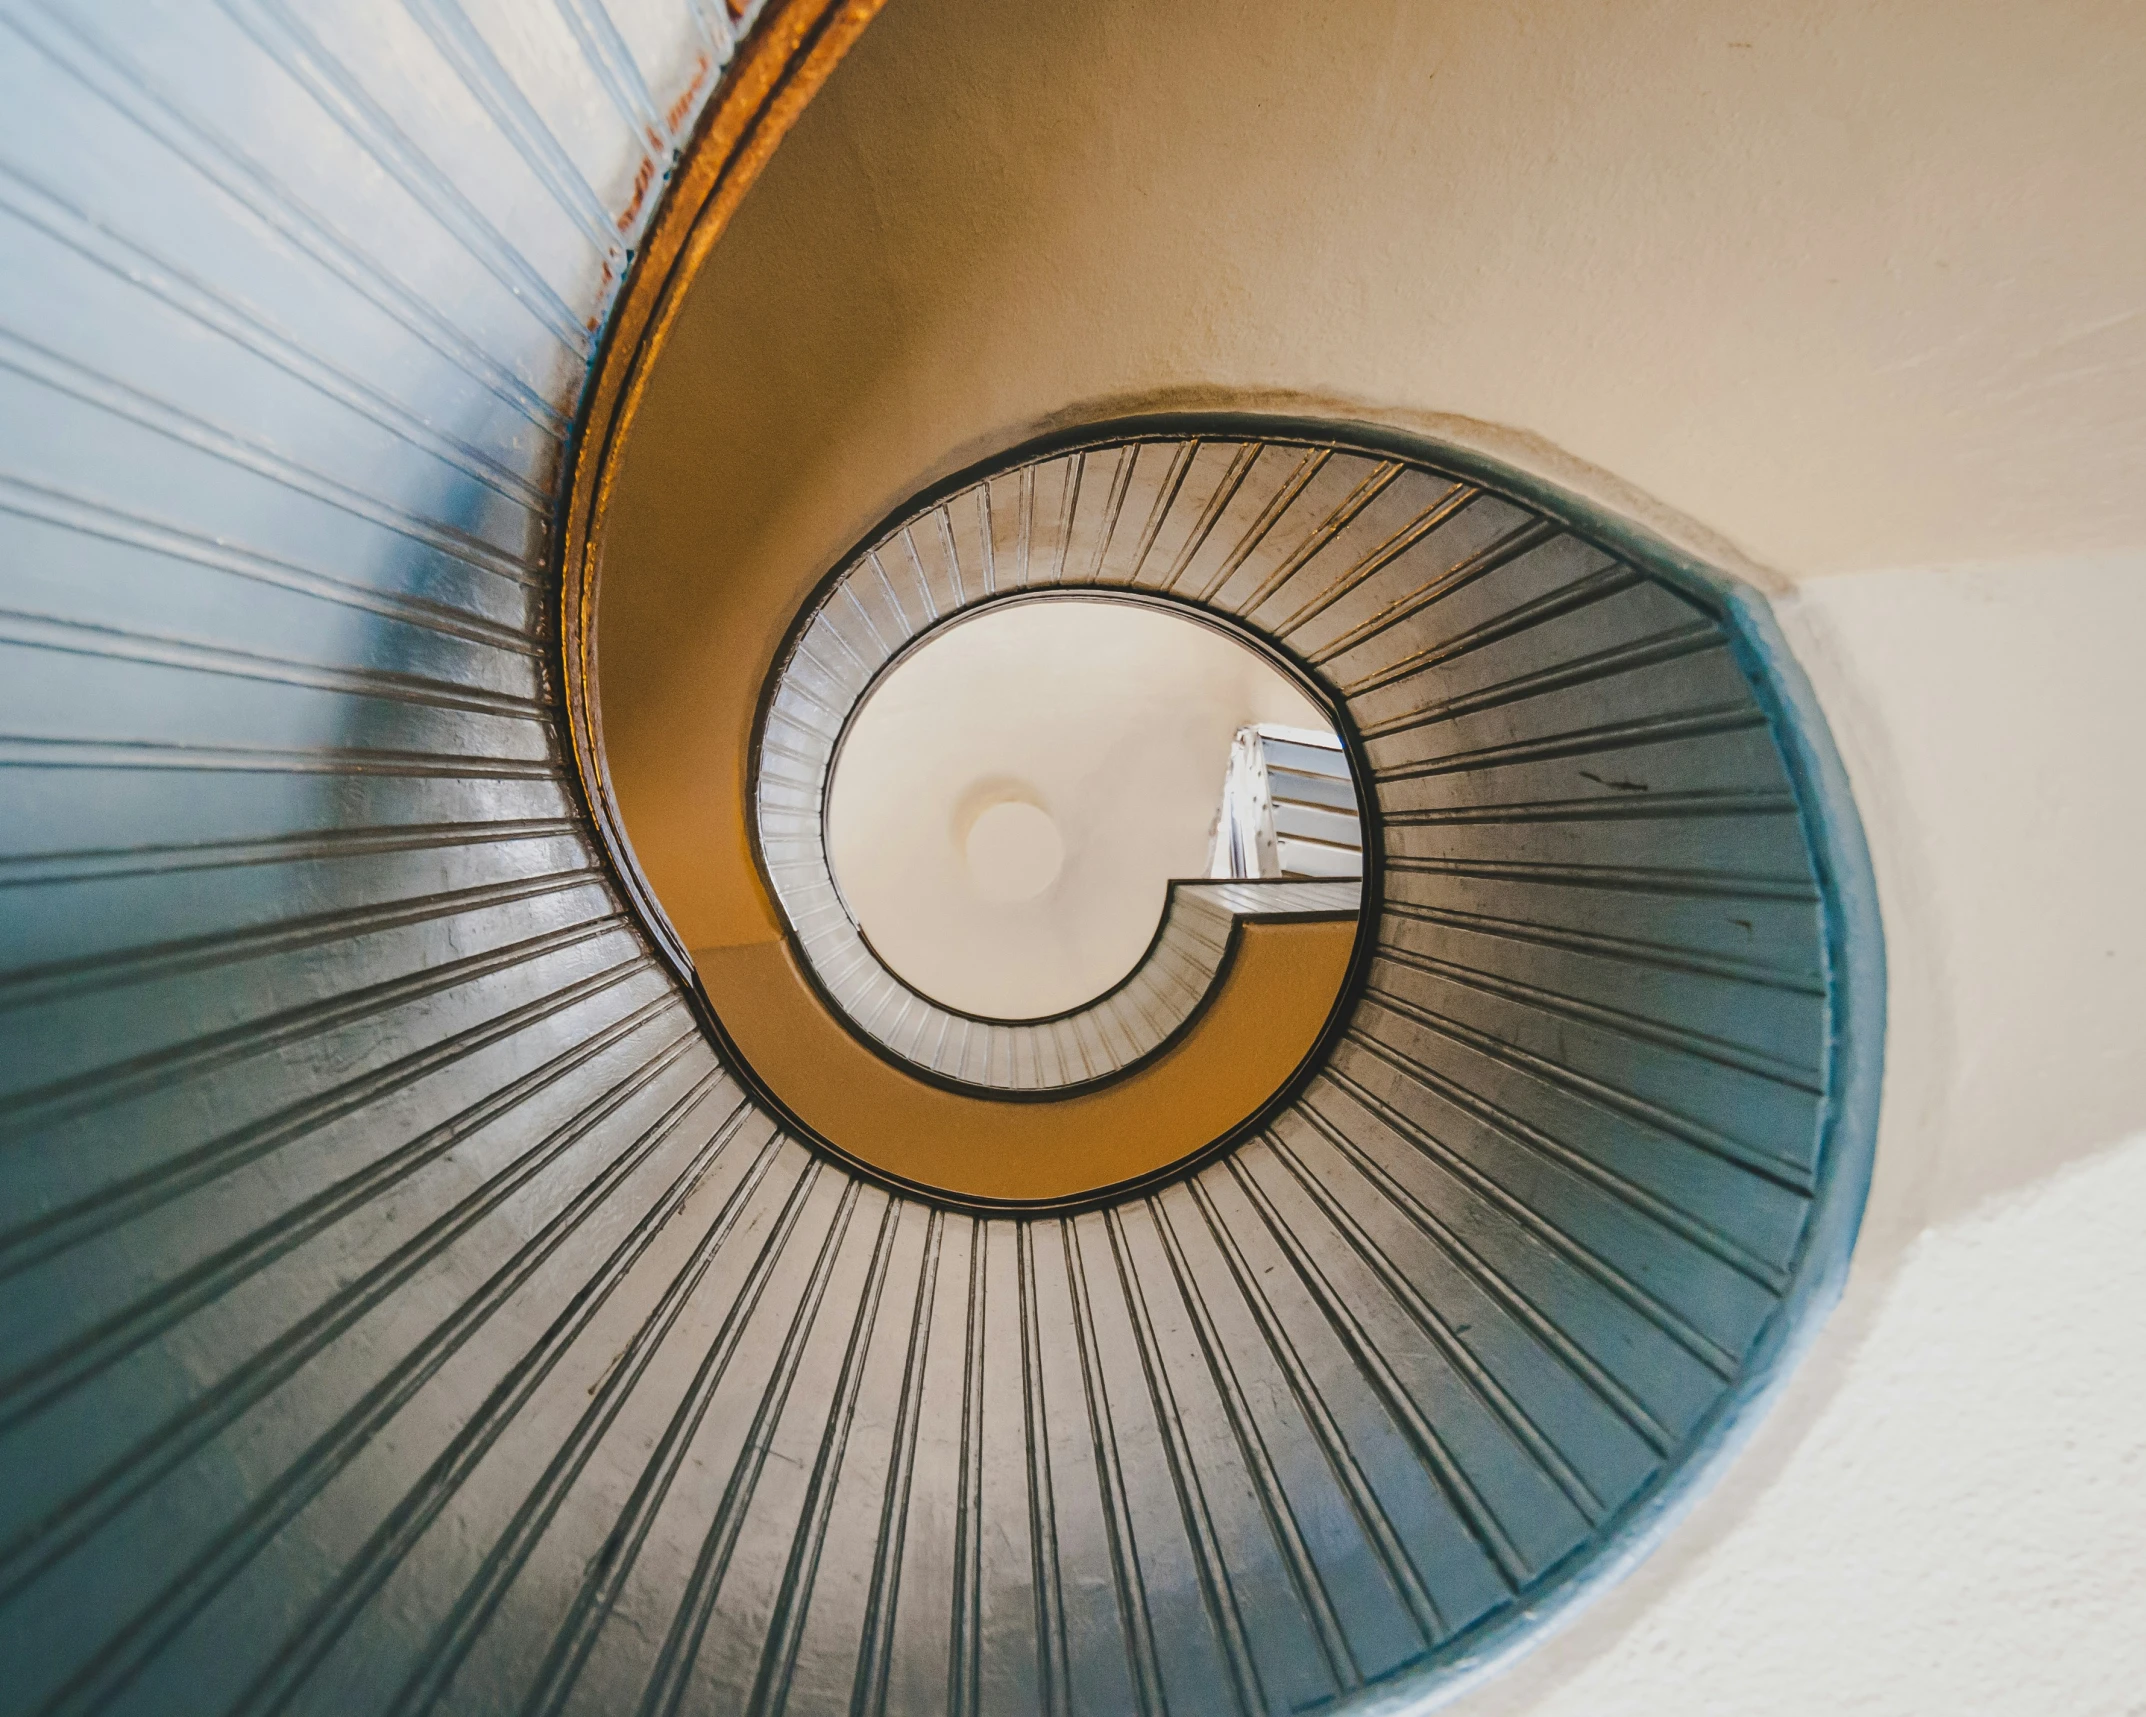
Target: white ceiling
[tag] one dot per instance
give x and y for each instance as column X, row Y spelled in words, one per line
column 1114, row 720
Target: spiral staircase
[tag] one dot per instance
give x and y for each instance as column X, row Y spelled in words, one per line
column 422, row 1288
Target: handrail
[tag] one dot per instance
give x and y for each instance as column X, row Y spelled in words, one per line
column 1131, row 1023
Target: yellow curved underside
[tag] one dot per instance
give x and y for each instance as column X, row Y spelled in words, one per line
column 1269, row 1006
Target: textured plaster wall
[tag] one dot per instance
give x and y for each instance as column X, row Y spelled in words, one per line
column 1946, row 1515
column 1852, row 298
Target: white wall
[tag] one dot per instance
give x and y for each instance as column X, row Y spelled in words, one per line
column 1946, row 1514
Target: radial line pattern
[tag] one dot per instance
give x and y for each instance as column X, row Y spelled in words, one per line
column 405, row 1309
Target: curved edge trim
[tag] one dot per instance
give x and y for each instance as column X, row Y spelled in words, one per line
column 776, row 71
column 1258, row 914
column 1855, row 951
column 1101, row 1081
column 982, row 608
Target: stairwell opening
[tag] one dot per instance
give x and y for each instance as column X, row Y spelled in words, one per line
column 1013, row 796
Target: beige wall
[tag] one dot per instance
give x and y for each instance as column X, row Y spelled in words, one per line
column 1852, row 297
column 1854, row 285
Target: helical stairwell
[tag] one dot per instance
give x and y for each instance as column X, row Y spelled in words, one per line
column 409, row 1301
